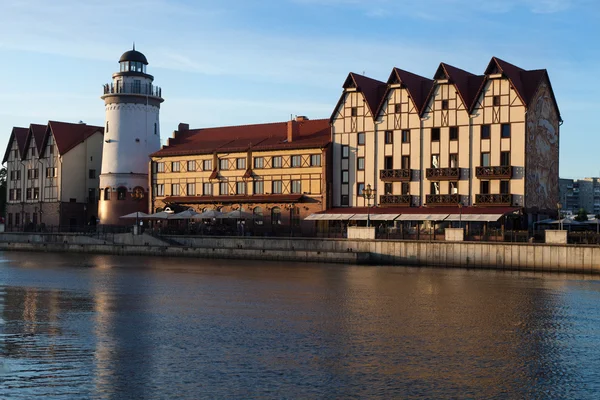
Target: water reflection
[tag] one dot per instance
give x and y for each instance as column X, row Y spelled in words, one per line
column 109, row 327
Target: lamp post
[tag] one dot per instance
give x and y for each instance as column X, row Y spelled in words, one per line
column 460, row 206
column 369, row 194
column 560, row 223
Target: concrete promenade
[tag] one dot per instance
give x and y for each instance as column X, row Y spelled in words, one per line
column 503, row 256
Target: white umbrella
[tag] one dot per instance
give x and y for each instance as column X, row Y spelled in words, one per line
column 237, row 214
column 135, row 215
column 159, row 215
column 210, row 214
column 187, row 214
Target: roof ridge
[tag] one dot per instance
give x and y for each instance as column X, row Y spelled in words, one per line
column 250, row 125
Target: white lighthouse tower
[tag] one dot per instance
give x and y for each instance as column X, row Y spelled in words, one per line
column 131, row 134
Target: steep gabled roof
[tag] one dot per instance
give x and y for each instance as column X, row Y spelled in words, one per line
column 418, row 87
column 272, row 136
column 466, row 83
column 20, row 135
column 37, row 133
column 68, row 135
column 372, row 90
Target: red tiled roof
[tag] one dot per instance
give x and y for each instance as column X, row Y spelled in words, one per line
column 272, row 136
column 418, row 87
column 467, row 84
column 20, row 134
column 68, row 135
column 422, row 210
column 266, row 198
column 372, row 90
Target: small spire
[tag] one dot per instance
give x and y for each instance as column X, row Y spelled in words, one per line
column 133, row 46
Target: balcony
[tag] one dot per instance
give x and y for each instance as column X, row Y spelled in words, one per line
column 394, row 175
column 442, row 174
column 501, row 172
column 129, row 88
column 394, row 200
column 442, row 199
column 493, row 199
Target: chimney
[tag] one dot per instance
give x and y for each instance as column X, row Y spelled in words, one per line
column 292, row 130
column 183, row 127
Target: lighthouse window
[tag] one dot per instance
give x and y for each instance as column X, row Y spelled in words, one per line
column 137, row 86
column 107, row 193
column 155, row 128
column 121, row 193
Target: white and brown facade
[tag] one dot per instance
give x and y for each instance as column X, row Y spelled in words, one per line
column 276, row 171
column 457, row 139
column 52, row 175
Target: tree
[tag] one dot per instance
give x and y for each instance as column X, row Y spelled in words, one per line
column 581, row 215
column 2, row 191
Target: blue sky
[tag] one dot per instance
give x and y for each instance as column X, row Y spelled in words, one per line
column 244, row 61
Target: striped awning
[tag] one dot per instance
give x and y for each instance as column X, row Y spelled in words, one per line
column 422, row 217
column 474, row 217
column 329, row 217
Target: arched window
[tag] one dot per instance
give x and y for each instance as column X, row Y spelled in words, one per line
column 257, row 215
column 276, row 216
column 121, row 193
column 107, row 193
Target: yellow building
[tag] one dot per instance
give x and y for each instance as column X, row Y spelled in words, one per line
column 275, row 171
column 458, row 139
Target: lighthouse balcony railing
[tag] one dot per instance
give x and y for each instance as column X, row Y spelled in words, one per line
column 132, row 88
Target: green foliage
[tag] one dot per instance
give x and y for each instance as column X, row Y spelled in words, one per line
column 581, row 215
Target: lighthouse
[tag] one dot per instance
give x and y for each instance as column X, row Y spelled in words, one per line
column 131, row 134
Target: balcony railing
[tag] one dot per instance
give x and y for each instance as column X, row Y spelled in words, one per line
column 146, row 89
column 493, row 199
column 442, row 174
column 395, row 174
column 394, row 199
column 501, row 172
column 442, row 199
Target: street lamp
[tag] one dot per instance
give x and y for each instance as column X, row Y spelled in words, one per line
column 560, row 223
column 460, row 206
column 368, row 193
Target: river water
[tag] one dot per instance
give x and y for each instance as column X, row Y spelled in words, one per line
column 99, row 327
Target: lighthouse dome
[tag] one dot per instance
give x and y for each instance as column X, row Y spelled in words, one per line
column 135, row 56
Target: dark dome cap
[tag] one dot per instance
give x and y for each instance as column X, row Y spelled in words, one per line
column 133, row 55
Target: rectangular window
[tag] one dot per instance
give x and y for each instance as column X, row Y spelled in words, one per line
column 345, row 177
column 388, row 188
column 175, row 189
column 405, row 162
column 36, row 193
column 10, row 221
column 18, row 178
column 33, row 173
column 32, row 152
column 175, row 166
column 207, row 165
column 435, row 161
column 160, row 190
column 18, row 195
column 505, row 130
column 277, row 162
column 223, row 189
column 191, row 166
column 12, row 175
column 405, row 188
column 359, row 188
column 452, row 187
column 50, row 172
column 15, row 154
column 276, row 187
column 405, row 136
column 91, row 195
column 484, row 187
column 360, row 163
column 504, row 187
column 345, row 200
column 11, row 194
column 388, row 162
column 435, row 134
column 259, row 162
column 485, row 131
column 191, row 189
column 92, row 174
column 397, row 108
column 17, row 219
column 240, row 188
column 485, row 159
column 315, row 160
column 240, row 163
column 454, row 133
column 389, row 137
column 296, row 186
column 496, row 100
column 296, row 161
column 51, row 149
column 360, row 138
column 435, row 188
column 259, row 187
column 223, row 164
column 445, row 104
column 160, row 167
column 207, row 189
column 345, row 151
column 505, row 158
column 354, row 111
column 453, row 160
column 28, row 193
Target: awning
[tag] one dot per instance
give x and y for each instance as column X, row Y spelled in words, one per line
column 329, row 217
column 422, row 217
column 359, row 217
column 384, row 217
column 474, row 217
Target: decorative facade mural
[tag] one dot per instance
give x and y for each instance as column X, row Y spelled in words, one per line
column 542, row 152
